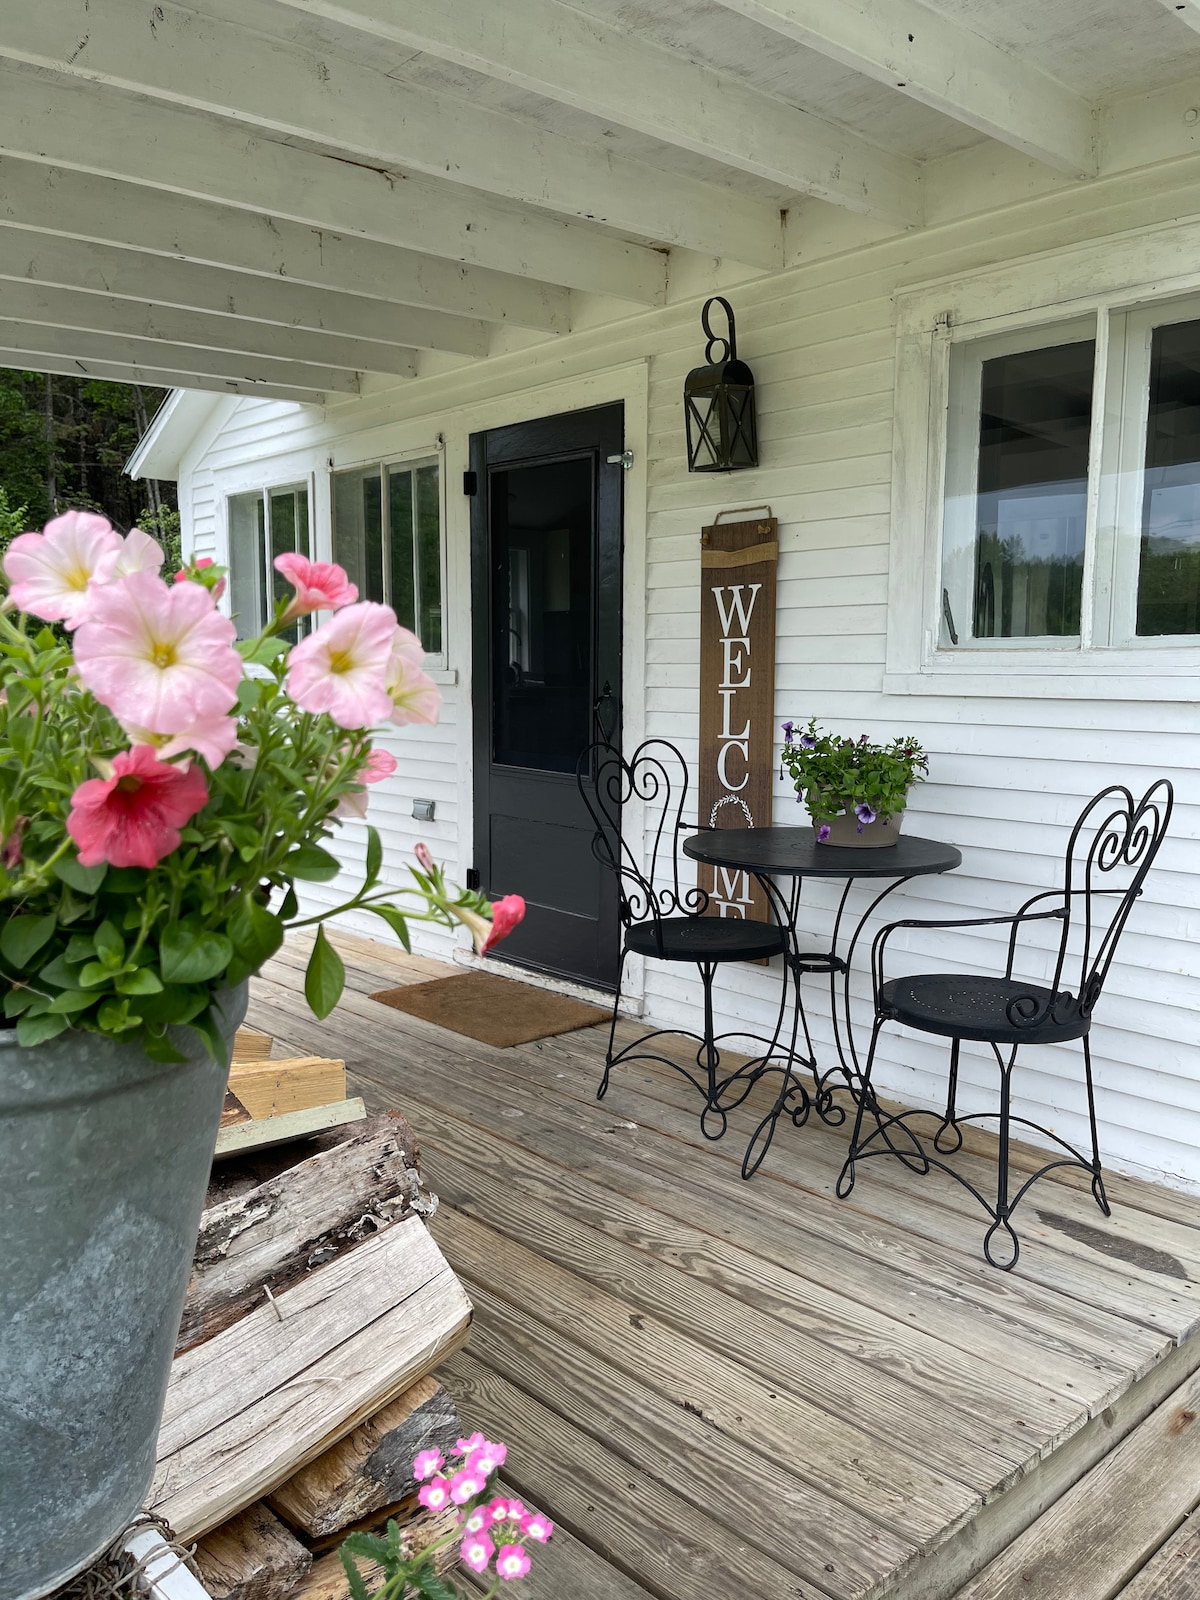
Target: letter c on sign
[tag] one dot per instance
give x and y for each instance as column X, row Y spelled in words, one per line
column 726, row 782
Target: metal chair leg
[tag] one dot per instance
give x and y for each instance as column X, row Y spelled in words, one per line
column 1098, row 1191
column 950, row 1120
column 708, row 1059
column 612, row 1030
column 845, row 1181
column 1003, row 1211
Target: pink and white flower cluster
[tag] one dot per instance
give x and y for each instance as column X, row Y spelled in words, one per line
column 162, row 659
column 492, row 1530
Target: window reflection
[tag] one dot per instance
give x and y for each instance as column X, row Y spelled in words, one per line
column 1168, row 598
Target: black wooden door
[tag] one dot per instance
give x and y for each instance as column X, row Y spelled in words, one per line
column 546, row 610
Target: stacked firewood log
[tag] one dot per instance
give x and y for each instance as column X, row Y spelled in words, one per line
column 318, row 1308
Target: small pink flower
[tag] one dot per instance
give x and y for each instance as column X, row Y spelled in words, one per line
column 477, row 1551
column 52, row 574
column 506, row 914
column 197, row 572
column 464, row 1447
column 211, row 738
column 380, row 765
column 159, row 657
column 414, row 695
column 477, row 1521
column 513, row 1561
column 133, row 818
column 10, row 850
column 342, row 668
column 465, row 1485
column 139, row 553
column 424, row 857
column 488, row 1457
column 319, row 585
column 537, row 1527
column 434, row 1496
column 426, row 1463
column 506, row 1510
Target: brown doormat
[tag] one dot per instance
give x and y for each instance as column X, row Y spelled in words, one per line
column 494, row 1010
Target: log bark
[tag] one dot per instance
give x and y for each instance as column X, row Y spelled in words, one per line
column 252, row 1557
column 371, row 1468
column 276, row 1232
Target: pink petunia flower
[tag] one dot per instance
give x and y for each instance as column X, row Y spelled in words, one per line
column 537, row 1527
column 159, row 657
column 414, row 695
column 380, row 765
column 197, row 572
column 342, row 667
column 426, row 1463
column 53, row 573
column 513, row 1561
column 435, row 1495
column 424, row 857
column 211, row 738
column 319, row 585
column 139, row 553
column 466, row 1484
column 506, row 914
column 133, row 818
column 477, row 1550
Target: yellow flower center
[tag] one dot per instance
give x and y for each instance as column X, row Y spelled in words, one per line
column 340, row 661
column 78, row 578
column 163, row 654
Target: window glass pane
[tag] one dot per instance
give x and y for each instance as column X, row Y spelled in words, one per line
column 429, row 557
column 1168, row 595
column 358, row 530
column 247, row 563
column 289, row 532
column 1031, row 506
column 400, row 530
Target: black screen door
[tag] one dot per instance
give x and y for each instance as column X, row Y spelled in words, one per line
column 546, row 618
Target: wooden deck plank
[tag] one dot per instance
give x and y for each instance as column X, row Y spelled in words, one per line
column 631, row 1519
column 1173, row 1572
column 1101, row 1532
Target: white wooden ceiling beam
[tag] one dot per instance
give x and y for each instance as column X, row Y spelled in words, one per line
column 152, row 377
column 105, row 211
column 182, row 360
column 548, row 49
column 53, row 260
column 31, row 303
column 169, row 53
column 95, row 129
column 1186, row 10
column 937, row 60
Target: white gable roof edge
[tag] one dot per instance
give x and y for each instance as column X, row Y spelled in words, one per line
column 162, row 447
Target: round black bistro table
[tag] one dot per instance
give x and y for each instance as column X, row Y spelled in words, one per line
column 793, row 854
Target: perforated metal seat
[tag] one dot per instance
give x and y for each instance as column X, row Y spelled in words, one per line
column 994, row 1010
column 706, row 939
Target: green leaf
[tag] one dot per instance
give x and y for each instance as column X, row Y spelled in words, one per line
column 159, row 1048
column 311, row 863
column 110, row 947
column 255, row 931
column 62, row 972
column 175, row 1005
column 125, row 880
column 192, row 954
column 206, row 1027
column 93, row 975
column 23, row 937
column 36, row 1030
column 249, row 693
column 144, row 980
column 374, row 856
column 395, row 921
column 261, row 652
column 325, row 978
column 290, row 906
column 81, row 947
column 71, row 1001
column 114, row 1016
column 18, row 1000
column 86, row 879
column 358, row 1589
column 432, row 1587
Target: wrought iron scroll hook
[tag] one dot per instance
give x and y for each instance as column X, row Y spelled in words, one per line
column 730, row 339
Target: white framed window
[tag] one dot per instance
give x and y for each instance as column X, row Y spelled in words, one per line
column 1046, row 487
column 263, row 524
column 387, row 533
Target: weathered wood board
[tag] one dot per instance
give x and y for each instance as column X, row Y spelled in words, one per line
column 238, row 1137
column 250, row 1045
column 272, row 1088
column 252, row 1557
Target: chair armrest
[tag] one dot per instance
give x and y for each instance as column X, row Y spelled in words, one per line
column 1012, row 920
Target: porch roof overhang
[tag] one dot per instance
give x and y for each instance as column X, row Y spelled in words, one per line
column 304, row 199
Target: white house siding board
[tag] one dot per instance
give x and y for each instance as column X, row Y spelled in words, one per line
column 1009, row 774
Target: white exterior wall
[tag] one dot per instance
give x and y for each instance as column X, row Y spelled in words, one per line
column 1009, row 772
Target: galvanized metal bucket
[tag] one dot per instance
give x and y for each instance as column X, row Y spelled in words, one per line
column 104, row 1161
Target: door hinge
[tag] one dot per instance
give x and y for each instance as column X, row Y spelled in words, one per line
column 470, row 483
column 624, row 461
column 473, row 878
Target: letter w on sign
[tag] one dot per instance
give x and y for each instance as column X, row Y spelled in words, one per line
column 738, row 562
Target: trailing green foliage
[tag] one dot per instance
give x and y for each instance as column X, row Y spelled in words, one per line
column 835, row 773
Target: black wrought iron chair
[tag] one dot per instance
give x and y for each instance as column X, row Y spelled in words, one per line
column 1111, row 849
column 664, row 921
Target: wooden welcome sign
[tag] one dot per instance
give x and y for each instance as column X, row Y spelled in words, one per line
column 738, row 564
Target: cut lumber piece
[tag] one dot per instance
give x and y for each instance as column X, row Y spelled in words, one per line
column 233, row 1111
column 248, row 1408
column 257, row 1134
column 251, row 1045
column 1172, row 1574
column 372, row 1467
column 277, row 1231
column 1107, row 1525
column 327, row 1580
column 251, row 1557
column 272, row 1088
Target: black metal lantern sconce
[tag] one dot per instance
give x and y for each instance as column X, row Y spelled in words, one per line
column 718, row 403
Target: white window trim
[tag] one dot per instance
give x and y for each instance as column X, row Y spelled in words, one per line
column 436, row 661
column 236, row 489
column 1125, row 274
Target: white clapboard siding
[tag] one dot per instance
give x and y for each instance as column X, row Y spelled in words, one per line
column 1009, row 774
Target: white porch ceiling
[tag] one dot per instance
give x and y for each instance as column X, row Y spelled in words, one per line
column 280, row 196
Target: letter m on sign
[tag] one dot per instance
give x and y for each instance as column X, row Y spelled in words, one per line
column 738, row 562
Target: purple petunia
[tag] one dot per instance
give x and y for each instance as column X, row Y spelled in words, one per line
column 808, row 741
column 823, row 833
column 864, row 814
column 788, row 729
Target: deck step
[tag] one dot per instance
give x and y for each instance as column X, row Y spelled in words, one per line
column 1106, row 1536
